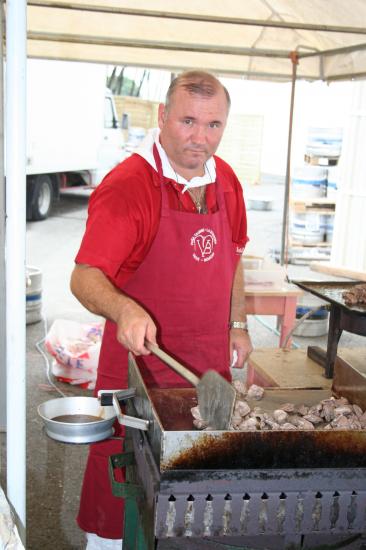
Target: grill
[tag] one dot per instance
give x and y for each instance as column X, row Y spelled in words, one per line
column 196, row 489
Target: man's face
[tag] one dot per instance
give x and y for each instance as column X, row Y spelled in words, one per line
column 191, row 129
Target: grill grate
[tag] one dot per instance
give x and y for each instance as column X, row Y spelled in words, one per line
column 271, row 513
column 234, row 506
column 189, row 493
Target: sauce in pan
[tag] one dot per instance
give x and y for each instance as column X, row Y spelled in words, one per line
column 76, row 418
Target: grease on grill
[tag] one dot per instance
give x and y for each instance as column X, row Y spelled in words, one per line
column 291, row 449
column 174, row 407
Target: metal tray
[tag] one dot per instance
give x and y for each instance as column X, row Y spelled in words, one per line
column 331, row 291
column 177, row 445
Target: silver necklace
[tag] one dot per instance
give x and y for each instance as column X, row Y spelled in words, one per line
column 199, row 199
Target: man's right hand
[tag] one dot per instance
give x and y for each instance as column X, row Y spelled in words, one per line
column 134, row 326
column 96, row 292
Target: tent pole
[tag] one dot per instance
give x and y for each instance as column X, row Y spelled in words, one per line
column 284, row 241
column 2, row 238
column 15, row 132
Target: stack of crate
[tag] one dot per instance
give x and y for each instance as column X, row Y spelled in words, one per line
column 313, row 197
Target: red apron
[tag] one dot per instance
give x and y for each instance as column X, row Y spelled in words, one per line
column 185, row 284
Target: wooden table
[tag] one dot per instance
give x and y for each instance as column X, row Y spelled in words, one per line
column 281, row 302
column 285, row 368
column 295, row 369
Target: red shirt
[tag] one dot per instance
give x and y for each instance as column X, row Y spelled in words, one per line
column 124, row 215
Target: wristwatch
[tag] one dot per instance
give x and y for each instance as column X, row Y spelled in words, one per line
column 239, row 324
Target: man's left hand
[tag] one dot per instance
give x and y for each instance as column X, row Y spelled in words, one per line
column 241, row 343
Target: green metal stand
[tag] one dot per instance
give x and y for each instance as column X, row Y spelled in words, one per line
column 133, row 535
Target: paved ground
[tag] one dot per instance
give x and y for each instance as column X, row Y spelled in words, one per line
column 55, row 470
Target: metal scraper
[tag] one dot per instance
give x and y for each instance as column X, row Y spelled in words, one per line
column 216, row 396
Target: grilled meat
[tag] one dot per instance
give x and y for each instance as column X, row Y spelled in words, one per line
column 355, row 295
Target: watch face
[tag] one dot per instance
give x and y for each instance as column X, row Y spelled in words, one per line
column 239, row 324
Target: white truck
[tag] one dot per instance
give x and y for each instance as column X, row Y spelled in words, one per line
column 73, row 135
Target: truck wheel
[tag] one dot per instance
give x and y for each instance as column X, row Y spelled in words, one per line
column 42, row 195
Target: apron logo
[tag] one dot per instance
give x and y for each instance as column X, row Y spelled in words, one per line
column 203, row 242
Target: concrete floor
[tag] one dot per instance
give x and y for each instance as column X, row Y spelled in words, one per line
column 54, row 470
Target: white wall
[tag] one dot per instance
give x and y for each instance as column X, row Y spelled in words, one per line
column 316, row 104
column 349, row 240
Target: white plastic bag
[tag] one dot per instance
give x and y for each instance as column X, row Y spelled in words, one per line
column 9, row 536
column 75, row 347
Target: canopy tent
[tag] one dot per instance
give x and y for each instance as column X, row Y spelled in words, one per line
column 255, row 39
column 251, row 38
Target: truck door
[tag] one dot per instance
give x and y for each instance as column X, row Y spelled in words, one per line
column 111, row 151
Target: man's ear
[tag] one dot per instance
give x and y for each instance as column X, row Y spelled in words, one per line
column 161, row 115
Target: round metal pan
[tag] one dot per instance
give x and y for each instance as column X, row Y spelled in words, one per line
column 79, row 432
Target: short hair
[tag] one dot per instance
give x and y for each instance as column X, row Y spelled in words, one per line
column 197, row 82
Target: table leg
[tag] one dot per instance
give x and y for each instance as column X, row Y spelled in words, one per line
column 334, row 335
column 288, row 319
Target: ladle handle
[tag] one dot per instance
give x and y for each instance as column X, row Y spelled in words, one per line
column 180, row 369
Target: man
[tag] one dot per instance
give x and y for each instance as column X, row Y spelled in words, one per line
column 160, row 261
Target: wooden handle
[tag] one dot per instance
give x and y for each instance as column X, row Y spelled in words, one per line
column 183, row 371
column 338, row 271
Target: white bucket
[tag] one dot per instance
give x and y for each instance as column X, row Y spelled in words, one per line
column 260, row 203
column 328, row 228
column 307, row 228
column 309, row 182
column 332, row 182
column 324, row 142
column 315, row 325
column 33, row 295
column 312, row 328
